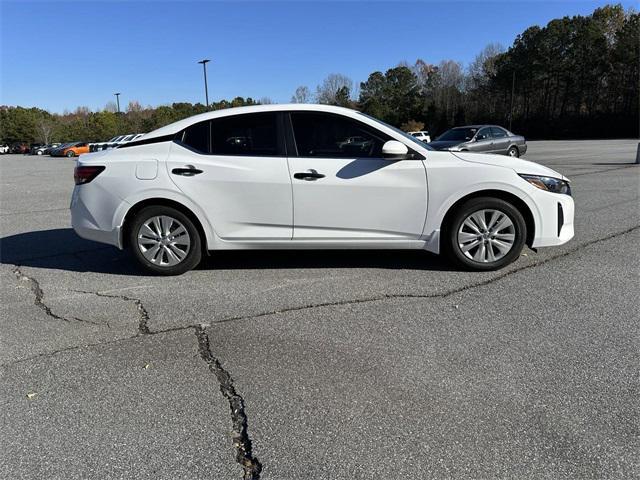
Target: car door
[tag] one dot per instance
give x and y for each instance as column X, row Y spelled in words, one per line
column 500, row 140
column 342, row 187
column 483, row 141
column 235, row 169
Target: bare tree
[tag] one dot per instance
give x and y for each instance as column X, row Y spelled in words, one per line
column 111, row 107
column 302, row 95
column 265, row 101
column 449, row 88
column 483, row 67
column 426, row 74
column 44, row 129
column 334, row 83
column 134, row 106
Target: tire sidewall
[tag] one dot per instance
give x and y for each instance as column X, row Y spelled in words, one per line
column 71, row 154
column 517, row 155
column 482, row 203
column 195, row 252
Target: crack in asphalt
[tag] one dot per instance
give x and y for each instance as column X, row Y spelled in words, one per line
column 143, row 314
column 144, row 317
column 36, row 289
column 251, row 466
column 388, row 296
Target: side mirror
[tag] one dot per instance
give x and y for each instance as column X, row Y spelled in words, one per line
column 394, row 150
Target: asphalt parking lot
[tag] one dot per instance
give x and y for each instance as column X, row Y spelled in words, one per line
column 335, row 364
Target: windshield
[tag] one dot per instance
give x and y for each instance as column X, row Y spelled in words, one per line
column 397, row 130
column 458, row 134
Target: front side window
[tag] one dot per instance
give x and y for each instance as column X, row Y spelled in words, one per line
column 462, row 134
column 484, row 134
column 334, row 136
column 252, row 134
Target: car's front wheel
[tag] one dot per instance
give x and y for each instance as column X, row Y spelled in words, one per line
column 164, row 240
column 485, row 234
column 71, row 153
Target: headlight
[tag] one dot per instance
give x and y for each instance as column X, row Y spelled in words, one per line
column 549, row 184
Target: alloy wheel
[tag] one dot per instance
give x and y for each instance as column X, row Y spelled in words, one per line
column 163, row 241
column 486, row 236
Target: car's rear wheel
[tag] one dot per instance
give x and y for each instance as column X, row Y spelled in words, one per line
column 164, row 240
column 485, row 234
column 71, row 153
column 513, row 152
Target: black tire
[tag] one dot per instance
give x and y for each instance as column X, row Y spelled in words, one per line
column 71, row 154
column 452, row 247
column 194, row 253
column 513, row 151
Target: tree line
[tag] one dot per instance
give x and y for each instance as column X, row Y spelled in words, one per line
column 576, row 77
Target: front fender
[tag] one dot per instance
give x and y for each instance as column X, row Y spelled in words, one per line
column 433, row 226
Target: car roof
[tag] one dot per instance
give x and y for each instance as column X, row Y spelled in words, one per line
column 481, row 126
column 225, row 112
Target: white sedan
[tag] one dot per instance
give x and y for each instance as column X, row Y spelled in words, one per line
column 311, row 177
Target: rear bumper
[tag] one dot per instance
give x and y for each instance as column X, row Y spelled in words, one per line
column 522, row 149
column 92, row 215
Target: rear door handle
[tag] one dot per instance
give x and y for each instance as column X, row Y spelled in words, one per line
column 310, row 174
column 188, row 171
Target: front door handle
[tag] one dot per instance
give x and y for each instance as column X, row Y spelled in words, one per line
column 310, row 174
column 187, row 171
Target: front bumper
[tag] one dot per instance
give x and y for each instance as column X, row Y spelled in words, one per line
column 555, row 225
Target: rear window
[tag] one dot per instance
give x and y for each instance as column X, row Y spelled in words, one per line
column 252, row 134
column 197, row 137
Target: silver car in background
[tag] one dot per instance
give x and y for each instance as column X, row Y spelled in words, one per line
column 481, row 138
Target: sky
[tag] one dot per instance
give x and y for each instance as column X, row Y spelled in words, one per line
column 61, row 55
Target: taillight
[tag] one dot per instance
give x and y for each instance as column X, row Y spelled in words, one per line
column 84, row 174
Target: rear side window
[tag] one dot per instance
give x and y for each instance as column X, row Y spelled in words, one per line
column 249, row 135
column 334, row 136
column 197, row 137
column 498, row 132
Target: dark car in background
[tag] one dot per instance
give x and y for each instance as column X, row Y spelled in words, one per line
column 19, row 147
column 44, row 149
column 57, row 151
column 481, row 138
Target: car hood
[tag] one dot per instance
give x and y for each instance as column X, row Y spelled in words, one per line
column 443, row 144
column 517, row 164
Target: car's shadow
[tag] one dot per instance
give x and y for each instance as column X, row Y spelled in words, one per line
column 62, row 249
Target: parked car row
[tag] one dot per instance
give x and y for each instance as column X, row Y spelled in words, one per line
column 69, row 149
column 114, row 142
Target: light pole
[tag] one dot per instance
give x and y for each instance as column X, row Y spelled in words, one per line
column 118, row 100
column 513, row 91
column 206, row 89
